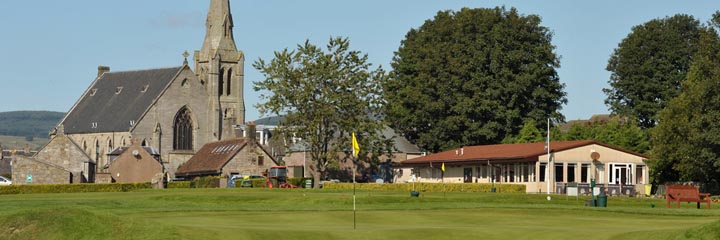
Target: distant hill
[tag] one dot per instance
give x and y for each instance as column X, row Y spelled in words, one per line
column 28, row 124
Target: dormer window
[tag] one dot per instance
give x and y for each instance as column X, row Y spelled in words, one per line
column 145, row 88
column 118, row 90
column 93, row 91
column 93, row 125
column 132, row 123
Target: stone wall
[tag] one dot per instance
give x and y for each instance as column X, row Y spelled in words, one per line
column 29, row 171
column 107, row 142
column 156, row 127
column 246, row 162
column 64, row 153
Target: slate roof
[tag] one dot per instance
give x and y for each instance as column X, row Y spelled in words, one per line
column 116, row 98
column 506, row 152
column 211, row 158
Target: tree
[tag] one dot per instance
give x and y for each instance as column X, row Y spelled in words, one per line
column 686, row 142
column 618, row 131
column 473, row 77
column 648, row 66
column 325, row 96
column 528, row 134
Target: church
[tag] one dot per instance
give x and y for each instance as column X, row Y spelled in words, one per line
column 174, row 111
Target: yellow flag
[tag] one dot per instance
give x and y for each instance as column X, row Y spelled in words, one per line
column 355, row 145
column 443, row 167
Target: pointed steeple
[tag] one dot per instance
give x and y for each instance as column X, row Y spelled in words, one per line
column 219, row 33
column 220, row 68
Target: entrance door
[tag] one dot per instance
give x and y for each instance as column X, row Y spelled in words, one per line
column 621, row 174
column 467, row 175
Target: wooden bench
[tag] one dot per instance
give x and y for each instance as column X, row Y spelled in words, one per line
column 682, row 193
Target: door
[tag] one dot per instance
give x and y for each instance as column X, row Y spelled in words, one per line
column 467, row 175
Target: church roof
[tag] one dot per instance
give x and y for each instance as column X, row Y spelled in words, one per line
column 117, row 99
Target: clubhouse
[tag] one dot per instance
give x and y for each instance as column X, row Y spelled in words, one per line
column 616, row 171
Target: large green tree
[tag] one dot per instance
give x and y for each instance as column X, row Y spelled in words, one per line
column 617, row 130
column 648, row 66
column 473, row 77
column 686, row 141
column 325, row 95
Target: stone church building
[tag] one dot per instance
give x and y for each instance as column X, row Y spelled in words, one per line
column 175, row 110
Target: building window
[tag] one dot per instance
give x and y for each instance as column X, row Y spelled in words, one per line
column 221, row 78
column 571, row 172
column 559, row 172
column 229, row 81
column 182, row 130
column 261, row 160
column 584, row 170
column 543, row 172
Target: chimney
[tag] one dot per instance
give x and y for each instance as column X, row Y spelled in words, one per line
column 27, row 149
column 102, row 69
column 462, row 151
column 250, row 132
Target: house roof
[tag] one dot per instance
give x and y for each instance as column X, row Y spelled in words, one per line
column 506, row 152
column 116, row 98
column 212, row 157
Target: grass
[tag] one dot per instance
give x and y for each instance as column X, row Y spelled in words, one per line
column 323, row 214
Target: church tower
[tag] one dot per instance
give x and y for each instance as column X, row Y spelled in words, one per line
column 220, row 68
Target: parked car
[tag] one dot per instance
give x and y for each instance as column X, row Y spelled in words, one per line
column 4, row 181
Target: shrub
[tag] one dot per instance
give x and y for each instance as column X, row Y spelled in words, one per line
column 298, row 182
column 259, row 183
column 179, row 184
column 429, row 187
column 73, row 188
column 206, row 182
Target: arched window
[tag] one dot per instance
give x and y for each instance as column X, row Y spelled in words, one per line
column 182, row 130
column 144, row 143
column 221, row 78
column 109, row 145
column 229, row 81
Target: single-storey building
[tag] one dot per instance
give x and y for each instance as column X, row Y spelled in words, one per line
column 135, row 164
column 226, row 158
column 615, row 170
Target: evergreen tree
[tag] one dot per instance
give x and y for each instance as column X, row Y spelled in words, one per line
column 473, row 77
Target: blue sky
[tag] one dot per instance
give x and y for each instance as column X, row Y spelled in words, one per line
column 50, row 50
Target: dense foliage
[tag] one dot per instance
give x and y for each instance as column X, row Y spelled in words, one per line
column 325, row 95
column 430, row 187
column 28, row 124
column 73, row 188
column 686, row 142
column 649, row 65
column 618, row 131
column 473, row 77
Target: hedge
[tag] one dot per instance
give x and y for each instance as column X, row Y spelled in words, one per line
column 73, row 188
column 206, row 182
column 429, row 187
column 178, row 184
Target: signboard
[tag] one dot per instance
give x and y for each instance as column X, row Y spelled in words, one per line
column 29, row 178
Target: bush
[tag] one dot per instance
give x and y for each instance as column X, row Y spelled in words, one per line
column 298, row 182
column 205, row 182
column 429, row 187
column 259, row 183
column 73, row 188
column 178, row 184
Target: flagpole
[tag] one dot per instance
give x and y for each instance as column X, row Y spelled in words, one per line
column 547, row 169
column 356, row 150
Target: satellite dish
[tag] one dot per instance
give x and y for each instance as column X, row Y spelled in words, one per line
column 135, row 153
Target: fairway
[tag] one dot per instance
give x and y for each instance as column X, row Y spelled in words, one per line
column 322, row 214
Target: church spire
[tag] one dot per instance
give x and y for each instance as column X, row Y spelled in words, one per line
column 219, row 33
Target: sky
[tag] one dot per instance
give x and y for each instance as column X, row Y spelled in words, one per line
column 50, row 50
